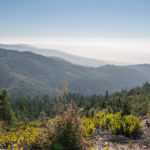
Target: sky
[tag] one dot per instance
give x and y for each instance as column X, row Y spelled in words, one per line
column 116, row 30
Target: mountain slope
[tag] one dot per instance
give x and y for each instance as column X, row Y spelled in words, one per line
column 83, row 61
column 26, row 73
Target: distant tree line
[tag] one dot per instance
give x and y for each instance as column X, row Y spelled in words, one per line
column 135, row 101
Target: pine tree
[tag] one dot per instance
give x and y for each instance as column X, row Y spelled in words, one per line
column 21, row 112
column 6, row 113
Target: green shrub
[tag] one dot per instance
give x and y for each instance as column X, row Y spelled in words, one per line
column 66, row 129
column 99, row 120
column 115, row 123
column 127, row 125
column 88, row 127
column 131, row 125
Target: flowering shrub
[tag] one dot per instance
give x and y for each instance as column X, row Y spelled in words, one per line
column 34, row 137
column 116, row 123
column 131, row 125
column 88, row 127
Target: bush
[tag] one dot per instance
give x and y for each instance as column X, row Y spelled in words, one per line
column 99, row 120
column 66, row 130
column 33, row 137
column 131, row 125
column 115, row 123
column 88, row 127
column 128, row 125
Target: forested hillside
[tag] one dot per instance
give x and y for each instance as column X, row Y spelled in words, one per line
column 26, row 73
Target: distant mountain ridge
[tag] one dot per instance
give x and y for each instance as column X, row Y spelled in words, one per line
column 26, row 73
column 83, row 61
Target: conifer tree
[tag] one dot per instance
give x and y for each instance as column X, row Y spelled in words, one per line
column 6, row 113
column 21, row 112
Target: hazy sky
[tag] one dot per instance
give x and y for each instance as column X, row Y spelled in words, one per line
column 104, row 29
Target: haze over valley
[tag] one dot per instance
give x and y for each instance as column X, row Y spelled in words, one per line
column 83, row 61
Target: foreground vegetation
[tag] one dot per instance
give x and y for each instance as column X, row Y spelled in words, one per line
column 63, row 125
